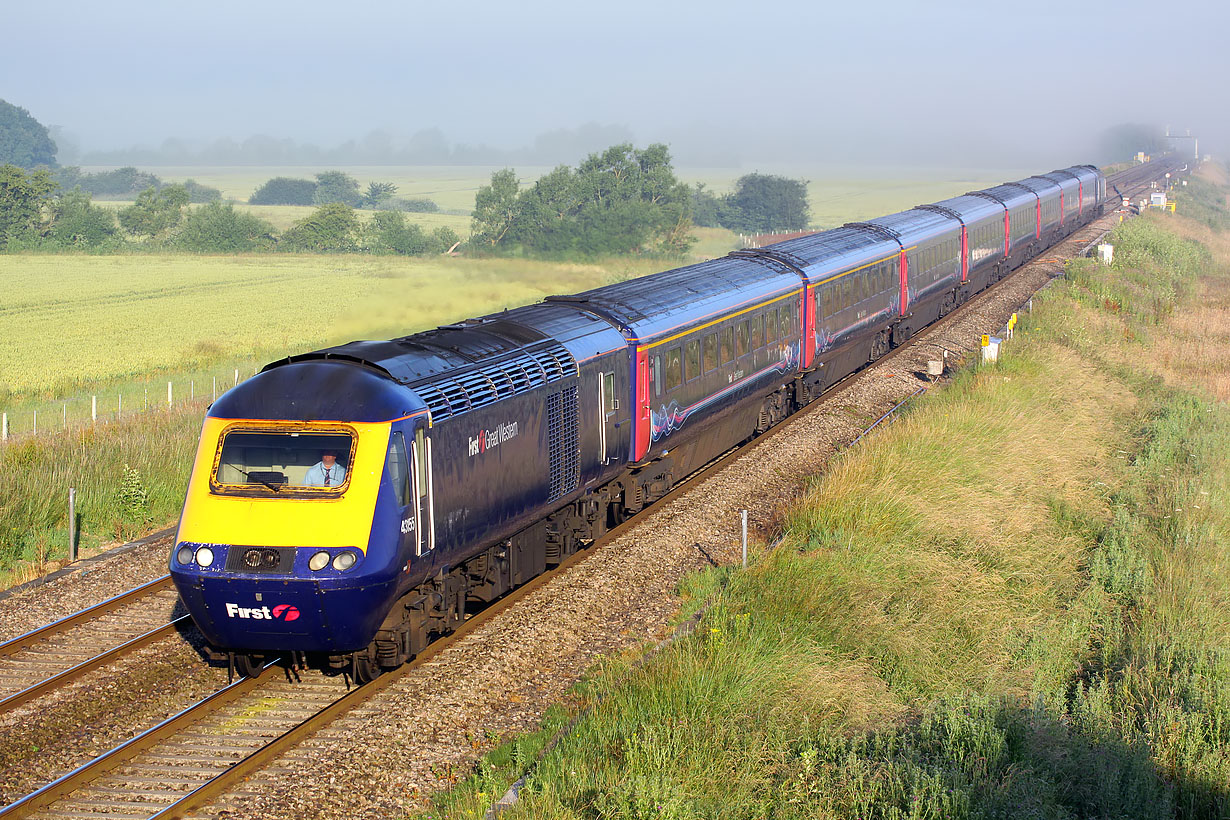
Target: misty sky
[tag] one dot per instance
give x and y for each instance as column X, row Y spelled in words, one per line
column 769, row 82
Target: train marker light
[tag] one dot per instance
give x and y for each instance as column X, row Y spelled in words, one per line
column 184, row 556
column 205, row 556
column 318, row 561
column 344, row 561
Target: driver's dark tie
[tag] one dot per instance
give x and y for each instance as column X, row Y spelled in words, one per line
column 326, row 477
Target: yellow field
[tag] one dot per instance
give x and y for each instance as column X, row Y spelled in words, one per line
column 75, row 321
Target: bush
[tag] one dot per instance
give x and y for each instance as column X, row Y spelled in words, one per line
column 330, row 228
column 156, row 211
column 219, row 228
column 198, row 193
column 121, row 183
column 284, row 191
column 77, row 223
column 415, row 206
column 337, row 186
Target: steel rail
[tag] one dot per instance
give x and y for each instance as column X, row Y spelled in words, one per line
column 129, row 749
column 69, row 675
column 68, row 622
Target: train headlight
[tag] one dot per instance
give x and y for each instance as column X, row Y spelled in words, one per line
column 344, row 561
column 184, row 556
column 205, row 556
column 318, row 561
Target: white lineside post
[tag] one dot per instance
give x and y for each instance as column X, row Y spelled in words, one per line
column 147, row 397
column 93, row 409
column 168, row 394
column 236, row 375
column 119, row 406
column 744, row 516
column 72, row 524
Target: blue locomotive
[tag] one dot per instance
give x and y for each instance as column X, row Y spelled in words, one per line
column 350, row 503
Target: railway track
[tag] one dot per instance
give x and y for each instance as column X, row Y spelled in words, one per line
column 60, row 653
column 200, row 754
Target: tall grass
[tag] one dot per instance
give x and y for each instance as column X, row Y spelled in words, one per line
column 1012, row 603
column 130, row 477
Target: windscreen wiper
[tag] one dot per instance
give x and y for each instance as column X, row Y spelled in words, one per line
column 258, row 480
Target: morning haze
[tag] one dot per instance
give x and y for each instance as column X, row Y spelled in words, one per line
column 725, row 84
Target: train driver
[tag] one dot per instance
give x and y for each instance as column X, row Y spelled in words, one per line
column 326, row 472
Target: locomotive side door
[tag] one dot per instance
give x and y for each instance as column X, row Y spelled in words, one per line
column 421, row 492
column 608, row 404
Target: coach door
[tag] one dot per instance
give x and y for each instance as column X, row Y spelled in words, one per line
column 421, row 492
column 608, row 403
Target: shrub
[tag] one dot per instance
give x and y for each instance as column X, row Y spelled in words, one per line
column 337, row 186
column 78, row 223
column 331, row 227
column 284, row 191
column 219, row 228
column 198, row 193
column 417, row 206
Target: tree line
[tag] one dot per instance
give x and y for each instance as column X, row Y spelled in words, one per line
column 620, row 200
column 36, row 213
column 337, row 186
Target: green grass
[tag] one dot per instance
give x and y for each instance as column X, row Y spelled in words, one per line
column 1014, row 602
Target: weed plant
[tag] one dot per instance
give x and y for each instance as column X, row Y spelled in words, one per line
column 1011, row 603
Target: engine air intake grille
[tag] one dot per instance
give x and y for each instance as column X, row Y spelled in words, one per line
column 454, row 393
column 562, row 434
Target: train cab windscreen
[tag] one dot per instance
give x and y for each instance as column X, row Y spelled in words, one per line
column 277, row 461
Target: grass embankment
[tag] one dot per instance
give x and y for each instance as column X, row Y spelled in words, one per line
column 1015, row 602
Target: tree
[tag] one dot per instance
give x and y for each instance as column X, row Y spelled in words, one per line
column 219, row 228
column 495, row 208
column 619, row 200
column 331, row 227
column 25, row 204
column 76, row 222
column 763, row 202
column 156, row 211
column 336, row 186
column 388, row 232
column 198, row 193
column 377, row 192
column 121, row 183
column 285, row 191
column 24, row 141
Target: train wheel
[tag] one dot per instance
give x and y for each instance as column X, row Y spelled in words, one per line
column 248, row 665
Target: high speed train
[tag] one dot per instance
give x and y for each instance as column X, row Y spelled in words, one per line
column 464, row 460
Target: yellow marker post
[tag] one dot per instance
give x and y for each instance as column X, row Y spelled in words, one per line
column 986, row 340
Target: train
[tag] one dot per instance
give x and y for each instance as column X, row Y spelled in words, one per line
column 348, row 505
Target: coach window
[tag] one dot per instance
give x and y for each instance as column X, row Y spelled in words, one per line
column 786, row 327
column 757, row 332
column 674, row 369
column 770, row 326
column 711, row 352
column 728, row 344
column 656, row 375
column 692, row 363
column 743, row 332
